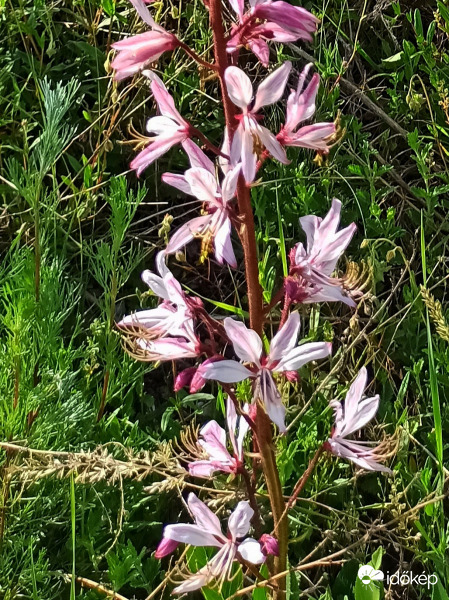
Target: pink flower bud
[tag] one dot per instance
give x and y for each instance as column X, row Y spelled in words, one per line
column 292, row 376
column 184, row 378
column 269, row 545
column 198, row 381
column 166, row 547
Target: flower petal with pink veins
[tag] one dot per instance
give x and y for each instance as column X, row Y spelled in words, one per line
column 237, row 6
column 247, row 155
column 301, row 355
column 240, row 520
column 358, row 411
column 145, row 15
column 191, row 534
column 204, row 517
column 155, row 283
column 186, row 233
column 165, row 102
column 239, row 87
column 314, row 137
column 213, row 440
column 301, row 106
column 197, row 157
column 147, row 318
column 229, row 184
column 162, row 126
column 273, row 145
column 226, row 371
column 285, row 339
column 153, row 151
column 195, row 582
column 272, row 400
column 203, row 184
column 272, row 88
column 247, row 344
column 224, row 251
column 206, row 468
column 177, row 181
column 261, row 50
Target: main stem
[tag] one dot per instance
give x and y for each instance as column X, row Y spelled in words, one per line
column 255, row 302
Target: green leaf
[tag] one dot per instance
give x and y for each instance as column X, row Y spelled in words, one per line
column 372, row 591
column 438, row 592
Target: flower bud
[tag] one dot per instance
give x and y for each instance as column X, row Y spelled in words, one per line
column 198, row 381
column 269, row 545
column 165, row 547
column 184, row 378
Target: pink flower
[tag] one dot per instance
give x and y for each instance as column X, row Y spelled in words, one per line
column 137, row 51
column 255, row 28
column 207, row 532
column 213, row 443
column 167, row 331
column 284, row 356
column 357, row 412
column 310, row 270
column 292, row 19
column 170, row 128
column 215, row 227
column 250, row 138
column 173, row 317
column 301, row 107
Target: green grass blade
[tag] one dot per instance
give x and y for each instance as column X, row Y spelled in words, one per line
column 432, row 370
column 73, row 520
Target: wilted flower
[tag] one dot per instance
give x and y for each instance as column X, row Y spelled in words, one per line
column 213, row 442
column 136, row 52
column 250, row 138
column 207, row 532
column 310, row 272
column 284, row 356
column 215, row 227
column 355, row 414
column 300, row 108
column 170, row 128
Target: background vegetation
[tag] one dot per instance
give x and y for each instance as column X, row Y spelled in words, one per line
column 77, row 228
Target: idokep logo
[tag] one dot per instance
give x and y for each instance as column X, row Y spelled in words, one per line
column 368, row 574
column 410, row 578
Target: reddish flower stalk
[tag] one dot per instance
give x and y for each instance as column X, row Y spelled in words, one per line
column 196, row 57
column 255, row 301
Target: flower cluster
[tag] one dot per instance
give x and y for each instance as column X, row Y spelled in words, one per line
column 224, row 349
